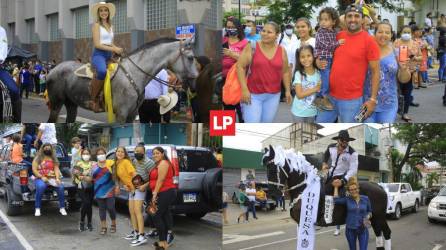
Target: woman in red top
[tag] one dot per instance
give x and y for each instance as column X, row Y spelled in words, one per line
column 163, row 193
column 233, row 44
column 46, row 170
column 269, row 68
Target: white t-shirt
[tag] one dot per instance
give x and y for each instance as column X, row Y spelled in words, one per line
column 251, row 197
column 48, row 133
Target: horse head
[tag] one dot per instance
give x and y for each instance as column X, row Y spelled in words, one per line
column 183, row 64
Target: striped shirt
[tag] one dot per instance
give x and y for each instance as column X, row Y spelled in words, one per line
column 143, row 168
column 103, row 181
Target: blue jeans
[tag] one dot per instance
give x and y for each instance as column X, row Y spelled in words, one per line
column 252, row 208
column 344, row 110
column 99, row 62
column 442, row 69
column 40, row 189
column 325, row 78
column 29, row 140
column 263, row 108
column 357, row 234
column 424, row 76
column 385, row 116
column 429, row 62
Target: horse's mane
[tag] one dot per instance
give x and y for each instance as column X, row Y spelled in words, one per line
column 153, row 43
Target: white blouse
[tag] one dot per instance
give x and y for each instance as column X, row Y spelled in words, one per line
column 106, row 38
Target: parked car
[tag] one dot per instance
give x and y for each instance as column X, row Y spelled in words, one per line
column 271, row 203
column 402, row 198
column 437, row 207
column 200, row 179
column 431, row 193
column 17, row 182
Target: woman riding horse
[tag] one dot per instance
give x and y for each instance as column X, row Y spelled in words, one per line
column 103, row 36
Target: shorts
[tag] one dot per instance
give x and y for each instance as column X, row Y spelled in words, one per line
column 244, row 208
column 137, row 196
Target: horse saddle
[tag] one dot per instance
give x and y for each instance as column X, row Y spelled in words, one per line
column 87, row 71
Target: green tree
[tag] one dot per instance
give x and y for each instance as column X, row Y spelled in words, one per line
column 66, row 131
column 431, row 178
column 396, row 158
column 413, row 177
column 233, row 13
column 342, row 4
column 288, row 11
column 425, row 142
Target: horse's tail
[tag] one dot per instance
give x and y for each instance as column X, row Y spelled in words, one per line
column 46, row 95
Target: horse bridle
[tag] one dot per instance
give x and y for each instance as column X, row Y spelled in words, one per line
column 279, row 184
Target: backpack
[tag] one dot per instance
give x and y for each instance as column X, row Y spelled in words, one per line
column 232, row 89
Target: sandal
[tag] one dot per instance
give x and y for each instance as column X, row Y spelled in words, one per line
column 406, row 119
column 104, row 231
column 113, row 229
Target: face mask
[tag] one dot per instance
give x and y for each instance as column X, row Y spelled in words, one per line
column 101, row 157
column 289, row 32
column 86, row 157
column 248, row 30
column 232, row 32
column 139, row 156
column 47, row 152
column 406, row 37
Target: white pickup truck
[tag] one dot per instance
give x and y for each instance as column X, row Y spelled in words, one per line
column 401, row 197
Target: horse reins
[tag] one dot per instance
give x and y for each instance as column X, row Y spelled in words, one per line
column 287, row 176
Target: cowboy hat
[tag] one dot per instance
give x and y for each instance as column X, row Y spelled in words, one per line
column 343, row 135
column 111, row 9
column 167, row 102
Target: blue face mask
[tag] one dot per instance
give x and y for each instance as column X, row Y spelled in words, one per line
column 248, row 30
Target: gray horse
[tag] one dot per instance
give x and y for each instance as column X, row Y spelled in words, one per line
column 133, row 74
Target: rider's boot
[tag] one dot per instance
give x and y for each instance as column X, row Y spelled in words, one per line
column 95, row 90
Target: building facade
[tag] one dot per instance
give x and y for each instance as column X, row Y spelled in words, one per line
column 61, row 29
column 294, row 136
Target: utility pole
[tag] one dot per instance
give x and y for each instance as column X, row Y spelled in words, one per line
column 239, row 10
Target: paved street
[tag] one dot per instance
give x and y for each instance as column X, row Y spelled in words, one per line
column 34, row 109
column 53, row 231
column 276, row 230
column 431, row 107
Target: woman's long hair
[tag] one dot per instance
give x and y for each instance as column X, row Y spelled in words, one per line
column 161, row 150
column 299, row 66
column 238, row 26
column 40, row 155
column 115, row 165
column 99, row 20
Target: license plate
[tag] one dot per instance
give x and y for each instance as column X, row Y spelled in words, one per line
column 189, row 197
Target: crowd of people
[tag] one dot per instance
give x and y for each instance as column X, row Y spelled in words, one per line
column 355, row 68
column 101, row 180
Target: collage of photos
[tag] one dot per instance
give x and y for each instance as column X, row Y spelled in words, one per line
column 223, row 124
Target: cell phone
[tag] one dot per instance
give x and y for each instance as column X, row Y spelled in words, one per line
column 226, row 45
column 404, row 53
column 361, row 116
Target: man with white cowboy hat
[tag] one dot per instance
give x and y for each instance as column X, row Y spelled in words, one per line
column 104, row 48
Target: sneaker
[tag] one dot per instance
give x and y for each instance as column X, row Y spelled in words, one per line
column 138, row 241
column 37, row 213
column 63, row 212
column 81, row 226
column 131, row 236
column 152, row 233
column 89, row 227
column 170, row 238
column 336, row 232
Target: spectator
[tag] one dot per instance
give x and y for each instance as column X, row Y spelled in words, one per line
column 25, row 81
column 17, row 150
column 249, row 176
column 104, row 192
column 46, row 134
column 428, row 20
column 75, row 150
column 288, row 40
column 261, row 197
column 29, row 135
column 422, row 45
column 303, row 27
column 42, row 81
column 412, row 21
column 429, row 38
column 233, row 44
column 36, row 75
column 251, row 32
column 225, row 207
column 269, row 68
column 244, row 201
column 46, row 171
column 251, row 193
column 82, row 177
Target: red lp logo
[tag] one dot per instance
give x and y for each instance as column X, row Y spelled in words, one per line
column 222, row 122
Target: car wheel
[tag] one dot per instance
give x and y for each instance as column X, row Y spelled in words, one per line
column 213, row 187
column 397, row 214
column 416, row 206
column 431, row 220
column 12, row 210
column 196, row 216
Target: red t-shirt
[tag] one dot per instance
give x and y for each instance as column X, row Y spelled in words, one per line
column 168, row 181
column 266, row 75
column 350, row 64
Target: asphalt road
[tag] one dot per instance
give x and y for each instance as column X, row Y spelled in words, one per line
column 276, row 230
column 54, row 231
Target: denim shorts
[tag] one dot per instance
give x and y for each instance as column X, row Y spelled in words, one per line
column 137, row 196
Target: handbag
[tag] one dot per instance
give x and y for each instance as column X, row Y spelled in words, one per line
column 152, row 208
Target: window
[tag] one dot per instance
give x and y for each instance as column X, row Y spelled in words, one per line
column 214, row 15
column 124, row 141
column 161, row 14
column 120, row 20
column 11, row 32
column 83, row 29
column 53, row 23
column 31, row 31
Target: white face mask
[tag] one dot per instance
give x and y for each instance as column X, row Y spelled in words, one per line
column 86, row 157
column 289, row 32
column 406, row 36
column 101, row 157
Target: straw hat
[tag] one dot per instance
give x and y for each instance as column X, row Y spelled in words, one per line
column 167, row 102
column 111, row 8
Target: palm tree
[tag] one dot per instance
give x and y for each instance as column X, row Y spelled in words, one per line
column 431, row 178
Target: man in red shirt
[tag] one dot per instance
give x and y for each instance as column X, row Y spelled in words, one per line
column 351, row 61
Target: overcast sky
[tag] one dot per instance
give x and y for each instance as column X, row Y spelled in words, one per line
column 249, row 136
